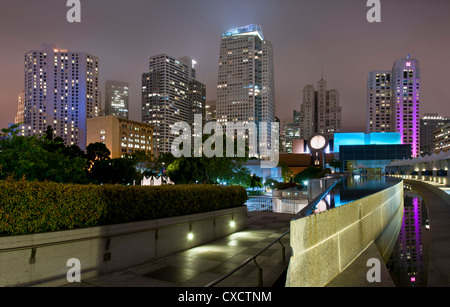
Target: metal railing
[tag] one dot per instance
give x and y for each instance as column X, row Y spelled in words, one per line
column 260, row 203
column 305, row 212
column 253, row 259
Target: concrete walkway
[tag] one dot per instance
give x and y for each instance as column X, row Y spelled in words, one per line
column 438, row 204
column 202, row 265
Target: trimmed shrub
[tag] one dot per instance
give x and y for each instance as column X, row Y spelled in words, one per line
column 30, row 207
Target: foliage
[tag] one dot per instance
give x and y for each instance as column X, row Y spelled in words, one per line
column 336, row 164
column 97, row 152
column 271, row 183
column 38, row 159
column 286, row 172
column 115, row 171
column 311, row 172
column 36, row 207
column 210, row 170
column 284, row 186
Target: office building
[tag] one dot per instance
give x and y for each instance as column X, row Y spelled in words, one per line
column 290, row 132
column 380, row 108
column 61, row 91
column 20, row 116
column 169, row 92
column 320, row 111
column 428, row 124
column 246, row 82
column 441, row 138
column 117, row 99
column 121, row 136
column 211, row 114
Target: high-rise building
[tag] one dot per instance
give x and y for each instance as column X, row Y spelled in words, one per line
column 428, row 124
column 441, row 138
column 20, row 116
column 211, row 110
column 117, row 99
column 393, row 103
column 61, row 91
column 246, row 87
column 320, row 111
column 169, row 92
column 380, row 106
column 290, row 133
column 406, row 85
column 197, row 100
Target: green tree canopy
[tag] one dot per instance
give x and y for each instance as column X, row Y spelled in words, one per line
column 38, row 159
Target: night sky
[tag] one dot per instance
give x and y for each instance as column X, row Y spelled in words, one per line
column 307, row 36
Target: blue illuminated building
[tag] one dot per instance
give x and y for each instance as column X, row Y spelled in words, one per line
column 376, row 138
column 369, row 153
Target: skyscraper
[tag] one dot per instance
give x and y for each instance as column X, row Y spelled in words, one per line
column 20, row 116
column 169, row 92
column 406, row 84
column 380, row 105
column 61, row 91
column 320, row 111
column 393, row 103
column 290, row 133
column 246, row 86
column 117, row 99
column 428, row 124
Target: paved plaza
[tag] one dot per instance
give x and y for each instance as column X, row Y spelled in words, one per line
column 199, row 266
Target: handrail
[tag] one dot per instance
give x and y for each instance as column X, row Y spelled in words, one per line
column 253, row 258
column 312, row 205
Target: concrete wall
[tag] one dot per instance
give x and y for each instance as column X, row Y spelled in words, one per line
column 325, row 244
column 41, row 259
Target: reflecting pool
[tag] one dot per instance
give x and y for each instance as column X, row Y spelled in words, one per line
column 408, row 262
column 352, row 188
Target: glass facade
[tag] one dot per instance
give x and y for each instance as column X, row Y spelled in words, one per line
column 371, row 158
column 341, row 139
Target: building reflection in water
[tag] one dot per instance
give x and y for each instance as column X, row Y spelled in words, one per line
column 408, row 262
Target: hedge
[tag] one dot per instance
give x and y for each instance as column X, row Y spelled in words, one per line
column 30, row 207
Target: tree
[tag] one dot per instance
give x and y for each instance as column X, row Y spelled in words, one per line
column 335, row 164
column 38, row 159
column 271, row 183
column 286, row 172
column 256, row 182
column 114, row 171
column 311, row 172
column 96, row 152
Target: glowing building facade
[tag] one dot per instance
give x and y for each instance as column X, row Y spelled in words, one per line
column 246, row 82
column 61, row 91
column 406, row 84
column 117, row 99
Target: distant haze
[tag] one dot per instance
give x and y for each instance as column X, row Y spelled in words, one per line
column 308, row 36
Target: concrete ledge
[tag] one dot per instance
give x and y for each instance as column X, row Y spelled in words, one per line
column 42, row 258
column 355, row 275
column 324, row 245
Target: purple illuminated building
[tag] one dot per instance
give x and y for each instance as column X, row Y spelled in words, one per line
column 408, row 260
column 406, row 87
column 393, row 103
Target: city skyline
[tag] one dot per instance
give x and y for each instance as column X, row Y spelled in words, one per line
column 307, row 36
